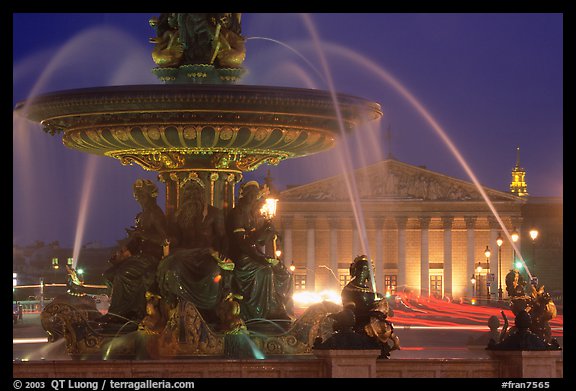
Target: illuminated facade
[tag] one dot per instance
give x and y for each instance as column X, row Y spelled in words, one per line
column 425, row 232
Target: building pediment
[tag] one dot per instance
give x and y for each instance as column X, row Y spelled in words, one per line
column 393, row 180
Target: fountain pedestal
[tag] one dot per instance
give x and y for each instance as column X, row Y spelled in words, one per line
column 528, row 363
column 343, row 363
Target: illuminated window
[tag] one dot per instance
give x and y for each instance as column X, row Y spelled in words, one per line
column 344, row 277
column 436, row 286
column 390, row 283
column 299, row 282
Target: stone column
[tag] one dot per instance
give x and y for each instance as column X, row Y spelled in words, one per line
column 287, row 248
column 310, row 253
column 355, row 240
column 493, row 260
column 470, row 225
column 516, row 223
column 424, row 256
column 401, row 227
column 447, row 226
column 379, row 259
column 334, row 225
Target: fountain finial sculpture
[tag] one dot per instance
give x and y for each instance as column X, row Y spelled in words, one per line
column 198, row 48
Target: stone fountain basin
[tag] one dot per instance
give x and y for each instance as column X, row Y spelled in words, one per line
column 190, row 122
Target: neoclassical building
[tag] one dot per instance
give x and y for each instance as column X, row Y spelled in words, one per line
column 425, row 232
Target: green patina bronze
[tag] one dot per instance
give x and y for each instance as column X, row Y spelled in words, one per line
column 199, row 48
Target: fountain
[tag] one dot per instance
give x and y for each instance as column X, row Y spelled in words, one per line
column 198, row 126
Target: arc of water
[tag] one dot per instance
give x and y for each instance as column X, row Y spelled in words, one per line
column 350, row 183
column 83, row 210
column 364, row 61
column 295, row 52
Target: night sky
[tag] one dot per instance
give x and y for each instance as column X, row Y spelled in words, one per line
column 493, row 82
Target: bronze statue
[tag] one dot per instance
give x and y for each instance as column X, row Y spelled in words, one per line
column 263, row 281
column 515, row 284
column 533, row 312
column 168, row 51
column 134, row 263
column 197, row 269
column 542, row 311
column 521, row 337
column 362, row 323
column 198, row 38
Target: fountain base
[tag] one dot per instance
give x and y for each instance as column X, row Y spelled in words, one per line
column 199, row 74
column 185, row 334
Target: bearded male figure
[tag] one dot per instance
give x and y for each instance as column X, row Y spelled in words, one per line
column 196, row 269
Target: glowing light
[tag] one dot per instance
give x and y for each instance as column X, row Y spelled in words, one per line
column 278, row 253
column 292, row 267
column 18, row 341
column 499, row 240
column 518, row 265
column 515, row 235
column 268, row 210
column 533, row 233
column 80, row 271
column 473, row 301
column 388, row 294
column 330, row 295
column 217, row 278
column 306, row 298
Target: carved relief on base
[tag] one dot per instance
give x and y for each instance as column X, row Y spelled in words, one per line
column 181, row 332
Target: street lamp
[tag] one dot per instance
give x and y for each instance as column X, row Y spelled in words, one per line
column 534, row 235
column 473, row 281
column 499, row 242
column 515, row 238
column 487, row 253
column 478, row 271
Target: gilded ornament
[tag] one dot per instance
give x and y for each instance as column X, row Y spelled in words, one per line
column 261, row 134
column 189, row 133
column 313, row 137
column 214, row 176
column 120, row 133
column 93, row 135
column 291, row 135
column 226, row 133
column 153, row 132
